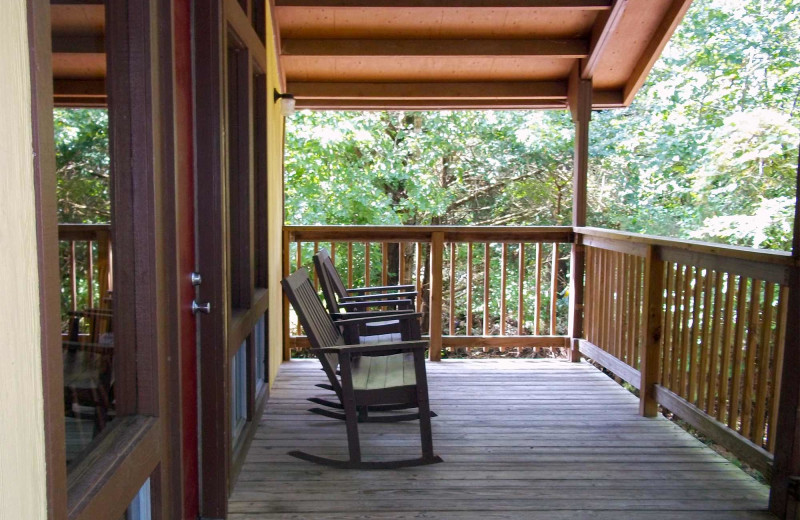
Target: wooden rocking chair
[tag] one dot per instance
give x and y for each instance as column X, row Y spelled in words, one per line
column 388, row 375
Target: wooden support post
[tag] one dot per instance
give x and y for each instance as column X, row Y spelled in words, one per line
column 650, row 343
column 287, row 347
column 787, row 435
column 579, row 98
column 437, row 254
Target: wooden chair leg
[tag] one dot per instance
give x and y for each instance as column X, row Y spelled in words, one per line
column 425, row 430
column 350, row 411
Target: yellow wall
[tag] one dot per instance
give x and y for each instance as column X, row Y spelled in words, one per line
column 275, row 216
column 22, row 462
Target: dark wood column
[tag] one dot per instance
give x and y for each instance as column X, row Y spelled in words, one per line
column 787, row 445
column 580, row 104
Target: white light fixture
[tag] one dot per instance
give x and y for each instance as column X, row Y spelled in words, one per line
column 286, row 105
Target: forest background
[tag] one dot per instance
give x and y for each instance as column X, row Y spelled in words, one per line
column 707, row 150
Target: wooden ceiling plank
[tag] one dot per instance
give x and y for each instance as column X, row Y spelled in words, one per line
column 417, row 48
column 601, row 35
column 430, row 90
column 458, row 4
column 653, row 50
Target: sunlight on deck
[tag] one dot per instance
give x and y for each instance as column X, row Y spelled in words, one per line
column 531, row 439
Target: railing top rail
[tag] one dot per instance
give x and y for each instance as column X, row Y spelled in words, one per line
column 82, row 231
column 492, row 234
column 692, row 246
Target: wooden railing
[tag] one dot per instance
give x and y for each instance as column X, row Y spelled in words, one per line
column 479, row 287
column 85, row 262
column 698, row 328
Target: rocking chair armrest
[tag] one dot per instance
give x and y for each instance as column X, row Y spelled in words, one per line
column 384, row 296
column 383, row 317
column 376, row 303
column 371, row 348
column 338, row 316
column 381, row 288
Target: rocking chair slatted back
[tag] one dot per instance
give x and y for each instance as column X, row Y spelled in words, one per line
column 324, row 264
column 317, row 323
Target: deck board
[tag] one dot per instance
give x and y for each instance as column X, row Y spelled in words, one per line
column 534, row 439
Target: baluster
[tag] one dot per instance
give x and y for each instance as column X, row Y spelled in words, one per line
column 705, row 345
column 367, row 267
column 750, row 363
column 715, row 350
column 623, row 317
column 553, row 290
column 469, row 288
column 741, row 309
column 686, row 332
column 699, row 282
column 437, row 257
column 349, row 264
column 486, row 280
column 452, row 302
column 777, row 366
column 401, row 263
column 521, row 294
column 538, row 292
column 314, row 271
column 73, row 282
column 666, row 342
column 761, row 397
column 90, row 273
column 503, row 287
column 384, row 264
column 418, row 268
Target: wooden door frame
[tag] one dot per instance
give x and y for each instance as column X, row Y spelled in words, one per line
column 218, row 23
column 138, row 443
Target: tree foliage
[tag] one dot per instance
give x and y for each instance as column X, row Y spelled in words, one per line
column 82, row 165
column 707, row 150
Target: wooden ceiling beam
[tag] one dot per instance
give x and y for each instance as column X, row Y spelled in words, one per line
column 459, row 4
column 653, row 50
column 429, row 91
column 79, row 93
column 77, row 2
column 442, row 104
column 601, row 35
column 433, row 48
column 83, row 44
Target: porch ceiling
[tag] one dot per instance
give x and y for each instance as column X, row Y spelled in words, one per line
column 79, row 60
column 468, row 53
column 420, row 54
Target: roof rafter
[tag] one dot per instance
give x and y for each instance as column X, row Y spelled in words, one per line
column 429, row 90
column 449, row 104
column 417, row 48
column 556, row 4
column 601, row 35
column 657, row 43
column 79, row 44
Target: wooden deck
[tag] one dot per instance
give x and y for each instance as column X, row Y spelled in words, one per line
column 520, row 439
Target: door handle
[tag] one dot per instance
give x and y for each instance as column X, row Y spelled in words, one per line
column 205, row 308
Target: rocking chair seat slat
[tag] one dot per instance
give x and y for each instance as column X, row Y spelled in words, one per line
column 377, row 372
